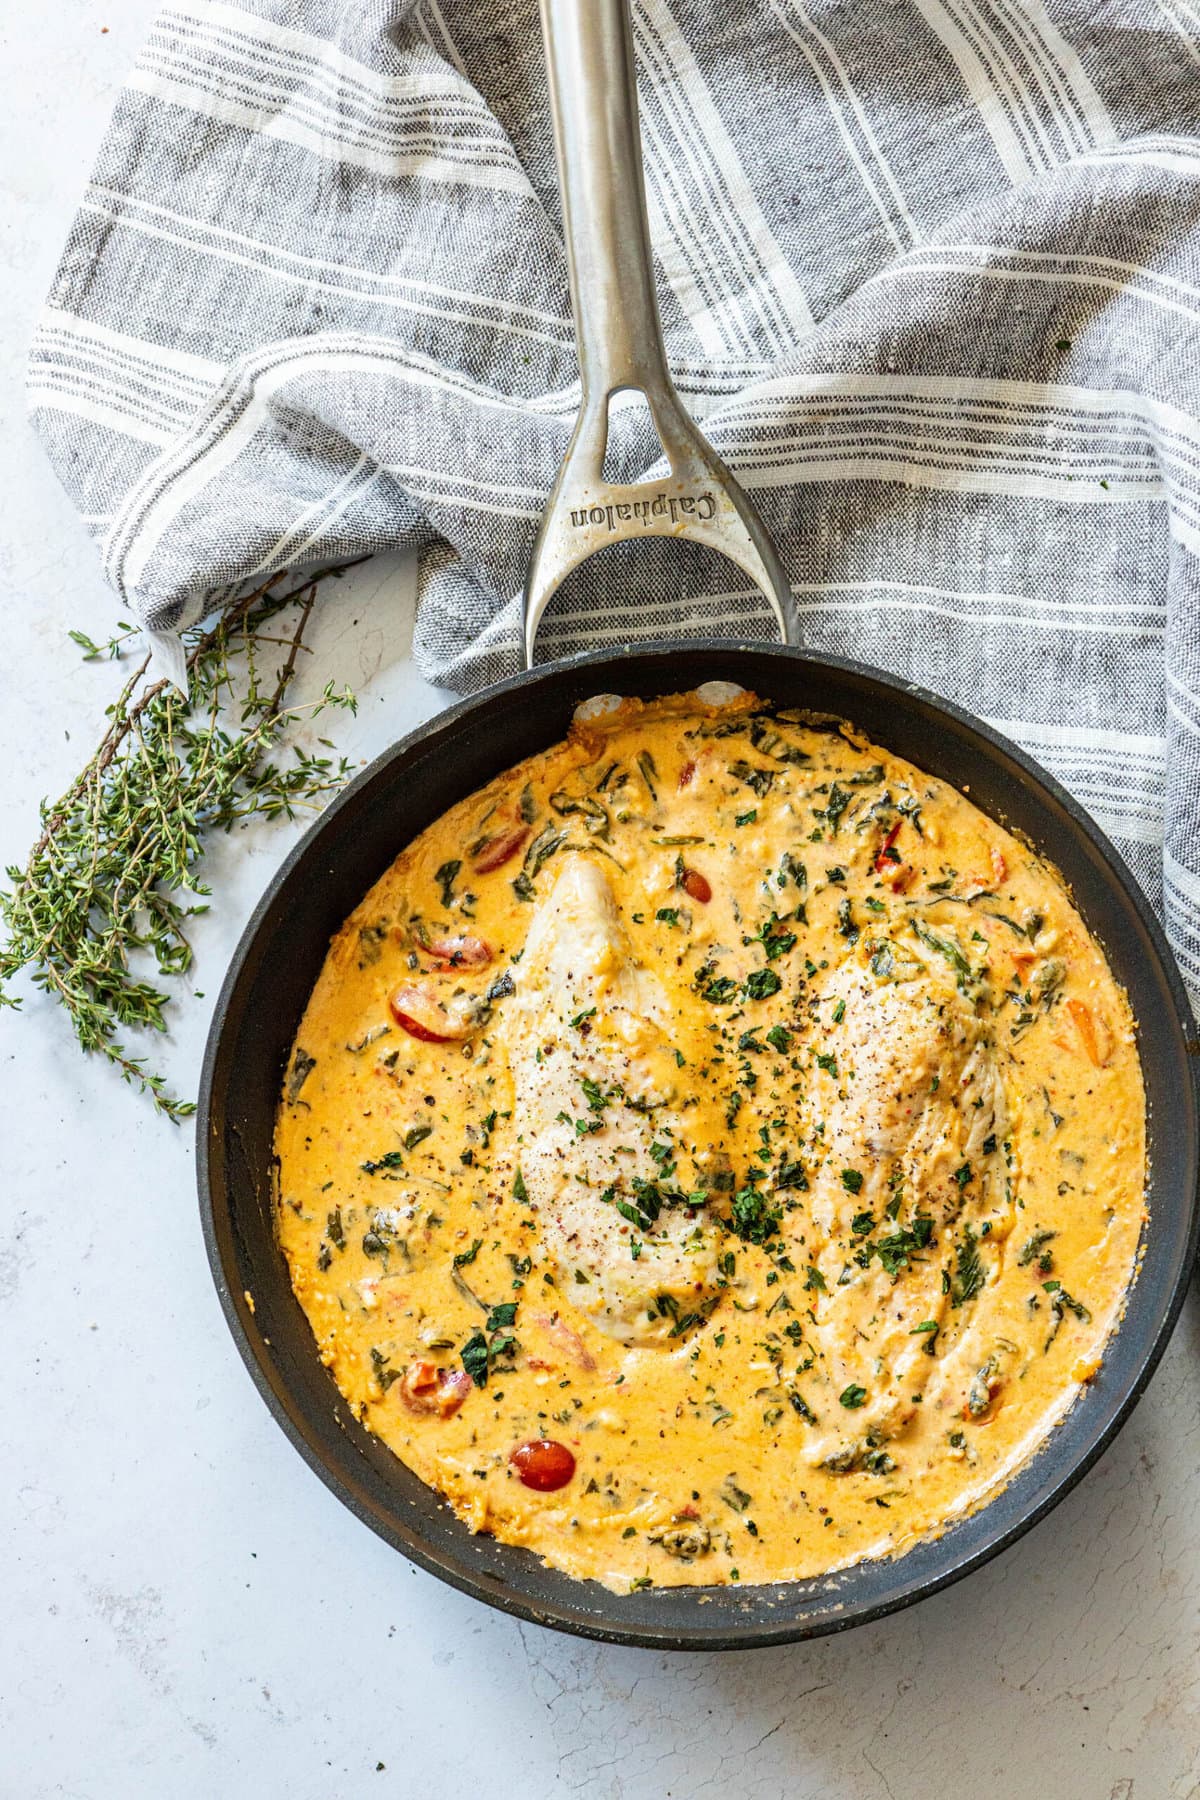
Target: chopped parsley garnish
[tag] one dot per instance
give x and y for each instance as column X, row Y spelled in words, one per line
column 752, row 1217
column 597, row 1101
column 968, row 1276
column 646, row 1205
column 391, row 1159
column 474, row 1355
column 895, row 1250
column 775, row 941
column 853, row 1397
column 762, row 983
column 719, row 990
column 791, row 1175
column 495, row 1342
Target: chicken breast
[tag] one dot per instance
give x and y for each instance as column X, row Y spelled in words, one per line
column 911, row 1188
column 605, row 1154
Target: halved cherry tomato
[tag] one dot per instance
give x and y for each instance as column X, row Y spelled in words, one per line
column 696, row 885
column 883, row 859
column 973, row 885
column 419, row 1378
column 425, row 1388
column 453, row 1387
column 419, row 1013
column 543, row 1464
column 460, row 952
column 495, row 851
column 1093, row 1033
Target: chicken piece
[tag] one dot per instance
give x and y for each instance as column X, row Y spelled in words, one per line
column 913, row 1180
column 596, row 1114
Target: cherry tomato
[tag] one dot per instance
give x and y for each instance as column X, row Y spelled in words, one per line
column 415, row 1029
column 420, row 1378
column 885, row 850
column 542, row 1464
column 697, row 885
column 453, row 1387
column 494, row 852
column 416, row 1011
column 424, row 1388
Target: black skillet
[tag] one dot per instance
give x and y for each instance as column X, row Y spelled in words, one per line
column 284, row 946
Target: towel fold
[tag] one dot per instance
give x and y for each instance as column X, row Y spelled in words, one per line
column 929, row 273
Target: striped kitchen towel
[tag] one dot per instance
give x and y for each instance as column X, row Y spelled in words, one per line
column 929, row 272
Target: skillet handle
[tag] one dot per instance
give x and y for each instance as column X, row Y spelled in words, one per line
column 593, row 100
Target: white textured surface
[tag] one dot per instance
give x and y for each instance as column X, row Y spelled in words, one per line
column 187, row 1612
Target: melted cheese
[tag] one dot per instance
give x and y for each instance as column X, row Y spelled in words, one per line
column 723, row 1099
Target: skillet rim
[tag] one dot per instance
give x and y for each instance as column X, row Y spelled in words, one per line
column 256, row 1351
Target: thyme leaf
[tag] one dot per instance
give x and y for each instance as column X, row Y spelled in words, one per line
column 113, row 879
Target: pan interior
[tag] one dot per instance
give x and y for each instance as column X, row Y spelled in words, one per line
column 268, row 987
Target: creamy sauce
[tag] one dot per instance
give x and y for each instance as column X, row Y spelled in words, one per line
column 714, row 1152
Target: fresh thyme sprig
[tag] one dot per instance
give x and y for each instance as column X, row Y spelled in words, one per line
column 112, row 880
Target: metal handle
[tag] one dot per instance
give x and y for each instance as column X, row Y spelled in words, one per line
column 593, row 101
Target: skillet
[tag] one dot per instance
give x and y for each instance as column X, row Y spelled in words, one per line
column 412, row 784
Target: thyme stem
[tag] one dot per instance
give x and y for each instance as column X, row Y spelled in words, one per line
column 108, row 888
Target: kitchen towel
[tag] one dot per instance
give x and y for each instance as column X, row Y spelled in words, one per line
column 930, row 277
